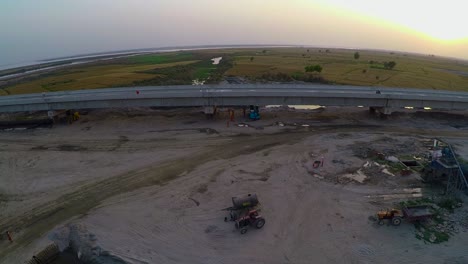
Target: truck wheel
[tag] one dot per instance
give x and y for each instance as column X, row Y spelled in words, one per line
column 259, row 223
column 396, row 221
column 243, row 231
column 381, row 222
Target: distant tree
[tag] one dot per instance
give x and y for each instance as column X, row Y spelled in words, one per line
column 389, row 65
column 308, row 50
column 264, row 51
column 364, row 71
column 327, row 51
column 251, row 59
column 303, row 55
column 356, row 55
column 320, row 51
column 313, row 68
column 371, row 62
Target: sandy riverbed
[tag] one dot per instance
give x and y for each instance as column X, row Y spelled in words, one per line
column 150, row 186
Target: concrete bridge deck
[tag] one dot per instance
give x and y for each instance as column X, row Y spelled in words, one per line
column 236, row 95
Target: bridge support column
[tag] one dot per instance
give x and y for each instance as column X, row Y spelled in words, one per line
column 210, row 111
column 51, row 115
column 381, row 110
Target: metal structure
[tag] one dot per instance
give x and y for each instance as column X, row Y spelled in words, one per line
column 446, row 168
column 457, row 179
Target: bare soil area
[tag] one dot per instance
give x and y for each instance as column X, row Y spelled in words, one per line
column 149, row 186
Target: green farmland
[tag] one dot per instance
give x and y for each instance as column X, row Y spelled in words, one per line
column 256, row 65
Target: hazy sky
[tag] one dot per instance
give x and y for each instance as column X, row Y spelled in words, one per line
column 36, row 29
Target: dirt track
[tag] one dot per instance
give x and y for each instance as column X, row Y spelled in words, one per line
column 151, row 187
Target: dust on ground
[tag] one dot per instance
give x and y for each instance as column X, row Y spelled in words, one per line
column 150, row 184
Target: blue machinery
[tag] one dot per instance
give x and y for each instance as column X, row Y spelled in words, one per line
column 254, row 113
column 446, row 168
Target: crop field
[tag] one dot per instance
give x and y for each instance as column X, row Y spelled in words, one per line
column 159, row 59
column 339, row 66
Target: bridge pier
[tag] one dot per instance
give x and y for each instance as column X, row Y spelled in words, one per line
column 210, row 111
column 51, row 114
column 381, row 110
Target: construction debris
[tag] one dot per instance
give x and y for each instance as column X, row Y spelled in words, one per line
column 49, row 254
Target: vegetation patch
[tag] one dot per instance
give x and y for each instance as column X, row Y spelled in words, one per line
column 284, row 77
column 49, row 86
column 313, row 68
column 438, row 229
column 185, row 74
column 386, row 65
column 430, row 234
column 97, row 76
column 450, row 203
column 161, row 58
column 421, row 201
column 393, row 167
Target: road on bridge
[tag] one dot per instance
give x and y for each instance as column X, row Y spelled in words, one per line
column 236, row 95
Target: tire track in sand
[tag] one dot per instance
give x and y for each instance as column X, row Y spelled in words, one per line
column 45, row 217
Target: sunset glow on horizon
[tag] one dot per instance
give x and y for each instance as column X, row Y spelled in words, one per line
column 441, row 20
column 49, row 28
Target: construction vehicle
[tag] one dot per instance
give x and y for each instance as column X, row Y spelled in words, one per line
column 254, row 113
column 410, row 213
column 72, row 116
column 252, row 218
column 394, row 215
column 244, row 213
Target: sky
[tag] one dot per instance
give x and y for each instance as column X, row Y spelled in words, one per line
column 33, row 29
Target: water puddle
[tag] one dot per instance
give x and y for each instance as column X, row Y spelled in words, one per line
column 216, row 60
column 297, row 107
